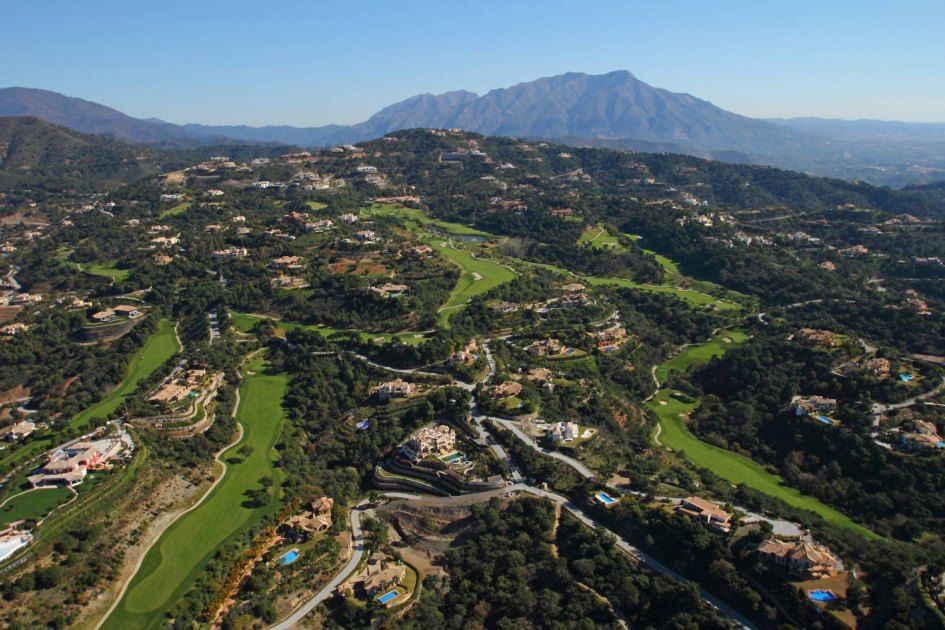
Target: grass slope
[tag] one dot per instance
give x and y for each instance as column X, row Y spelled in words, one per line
column 157, row 350
column 174, row 563
column 180, row 208
column 34, row 504
column 672, row 414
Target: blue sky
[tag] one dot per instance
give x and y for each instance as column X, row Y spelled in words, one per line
column 319, row 62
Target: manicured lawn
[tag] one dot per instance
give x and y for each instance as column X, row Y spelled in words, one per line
column 419, row 217
column 157, row 350
column 599, row 238
column 174, row 563
column 700, row 353
column 734, row 468
column 106, row 270
column 244, row 322
column 316, row 205
column 180, row 208
column 34, row 504
column 693, row 297
column 24, row 452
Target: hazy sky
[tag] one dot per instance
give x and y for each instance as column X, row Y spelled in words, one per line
column 319, row 62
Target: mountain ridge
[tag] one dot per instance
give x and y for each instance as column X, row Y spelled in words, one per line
column 615, row 110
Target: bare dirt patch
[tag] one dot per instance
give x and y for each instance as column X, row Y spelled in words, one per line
column 9, row 313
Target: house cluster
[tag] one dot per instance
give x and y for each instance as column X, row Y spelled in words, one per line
column 379, row 576
column 609, row 339
column 113, row 313
column 165, row 242
column 924, row 437
column 436, row 441
column 312, row 519
column 547, row 348
column 813, row 405
column 397, row 388
column 175, row 390
column 802, row 559
column 706, row 512
column 68, row 465
column 817, row 338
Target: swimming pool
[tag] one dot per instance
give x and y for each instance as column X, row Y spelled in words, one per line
column 906, row 377
column 825, row 419
column 386, row 597
column 822, row 596
column 604, row 498
column 453, row 457
column 289, row 557
column 7, row 548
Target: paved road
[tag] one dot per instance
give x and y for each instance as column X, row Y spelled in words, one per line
column 879, row 409
column 357, row 540
column 583, row 470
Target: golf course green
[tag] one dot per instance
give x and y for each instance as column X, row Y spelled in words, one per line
column 673, row 412
column 478, row 276
column 173, row 564
column 160, row 347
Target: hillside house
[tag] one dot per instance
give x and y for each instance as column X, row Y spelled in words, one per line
column 814, row 337
column 312, row 519
column 391, row 290
column 546, row 347
column 563, row 432
column 813, row 405
column 397, row 388
column 925, row 437
column 708, row 513
column 19, row 431
column 505, row 390
column 436, row 441
column 804, row 560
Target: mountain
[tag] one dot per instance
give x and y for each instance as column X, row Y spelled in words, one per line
column 87, row 117
column 34, row 152
column 614, row 110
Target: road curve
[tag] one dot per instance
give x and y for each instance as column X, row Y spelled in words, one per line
column 357, row 540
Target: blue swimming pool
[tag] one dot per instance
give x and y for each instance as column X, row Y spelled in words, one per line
column 906, row 377
column 825, row 419
column 822, row 596
column 363, row 424
column 289, row 557
column 386, row 597
column 604, row 498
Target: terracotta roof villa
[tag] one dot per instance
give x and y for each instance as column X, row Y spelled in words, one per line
column 314, row 518
column 707, row 512
column 806, row 560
